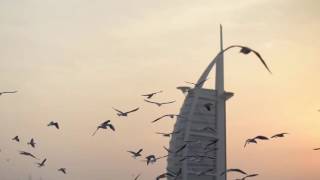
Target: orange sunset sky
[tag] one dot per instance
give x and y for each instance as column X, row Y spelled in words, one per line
column 72, row 61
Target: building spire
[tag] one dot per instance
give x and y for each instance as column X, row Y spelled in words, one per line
column 220, row 68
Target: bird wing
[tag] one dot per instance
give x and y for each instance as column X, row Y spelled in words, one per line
column 94, row 133
column 111, row 127
column 316, row 149
column 168, row 102
column 131, row 152
column 140, row 150
column 261, row 59
column 261, row 138
column 117, row 110
column 6, row 92
column 158, row 118
column 57, row 125
column 137, row 177
column 43, row 161
column 150, row 101
column 136, row 109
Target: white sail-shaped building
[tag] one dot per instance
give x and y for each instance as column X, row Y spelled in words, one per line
column 198, row 127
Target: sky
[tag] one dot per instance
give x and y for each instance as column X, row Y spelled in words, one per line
column 72, row 61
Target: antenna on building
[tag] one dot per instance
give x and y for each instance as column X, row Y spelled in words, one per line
column 220, row 67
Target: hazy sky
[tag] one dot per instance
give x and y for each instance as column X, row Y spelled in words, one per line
column 72, row 61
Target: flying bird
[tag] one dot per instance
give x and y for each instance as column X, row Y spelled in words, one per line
column 150, row 95
column 246, row 50
column 184, row 89
column 104, row 125
column 27, row 154
column 42, row 163
column 136, row 154
column 63, row 170
column 151, row 159
column 16, row 138
column 7, row 92
column 279, row 135
column 55, row 124
column 121, row 113
column 316, row 149
column 251, row 175
column 197, row 84
column 254, row 140
column 32, row 143
column 167, row 115
column 159, row 104
column 233, row 170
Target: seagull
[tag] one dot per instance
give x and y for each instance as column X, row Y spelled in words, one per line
column 55, row 124
column 136, row 154
column 198, row 84
column 104, row 125
column 63, row 170
column 233, row 170
column 251, row 175
column 16, row 138
column 279, row 135
column 159, row 104
column 184, row 89
column 316, row 149
column 27, row 154
column 208, row 106
column 253, row 140
column 7, row 92
column 167, row 115
column 168, row 134
column 120, row 113
column 151, row 159
column 42, row 163
column 246, row 50
column 151, row 94
column 32, row 143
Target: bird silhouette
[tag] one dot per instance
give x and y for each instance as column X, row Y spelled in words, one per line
column 254, row 140
column 136, row 154
column 16, row 138
column 245, row 177
column 104, row 125
column 159, row 104
column 55, row 124
column 42, row 163
column 63, row 170
column 233, row 170
column 279, row 135
column 316, row 149
column 246, row 50
column 151, row 159
column 150, row 95
column 167, row 115
column 121, row 113
column 7, row 92
column 27, row 154
column 32, row 143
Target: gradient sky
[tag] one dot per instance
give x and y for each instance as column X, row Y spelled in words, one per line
column 72, row 61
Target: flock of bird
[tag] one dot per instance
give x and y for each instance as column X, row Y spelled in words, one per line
column 151, row 158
